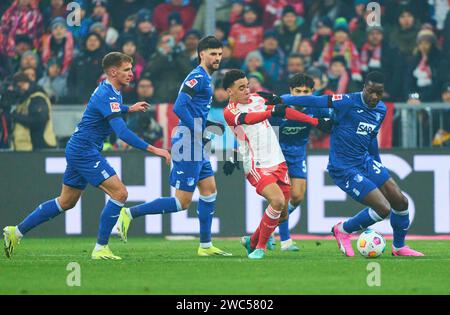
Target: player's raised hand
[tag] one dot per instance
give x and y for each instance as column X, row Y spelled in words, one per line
column 325, row 125
column 160, row 152
column 231, row 164
column 271, row 99
column 139, row 107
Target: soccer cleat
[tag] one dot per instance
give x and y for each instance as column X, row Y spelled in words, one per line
column 257, row 254
column 245, row 241
column 291, row 248
column 10, row 240
column 212, row 251
column 104, row 253
column 343, row 241
column 123, row 223
column 406, row 251
column 271, row 242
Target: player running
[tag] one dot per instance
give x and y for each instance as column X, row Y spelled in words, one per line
column 264, row 163
column 355, row 164
column 85, row 164
column 191, row 167
column 293, row 140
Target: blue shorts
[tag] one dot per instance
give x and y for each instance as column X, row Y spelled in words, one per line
column 358, row 182
column 296, row 162
column 186, row 174
column 90, row 167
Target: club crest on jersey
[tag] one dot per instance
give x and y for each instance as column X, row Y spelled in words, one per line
column 115, row 107
column 365, row 128
column 336, row 97
column 190, row 181
column 191, row 83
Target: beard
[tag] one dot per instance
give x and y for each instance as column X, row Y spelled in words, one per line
column 212, row 68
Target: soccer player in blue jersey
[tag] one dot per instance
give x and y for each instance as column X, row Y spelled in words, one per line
column 85, row 164
column 293, row 138
column 355, row 165
column 191, row 166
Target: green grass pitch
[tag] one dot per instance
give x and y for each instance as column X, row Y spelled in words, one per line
column 157, row 266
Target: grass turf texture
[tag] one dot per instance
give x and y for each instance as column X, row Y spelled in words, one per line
column 157, row 266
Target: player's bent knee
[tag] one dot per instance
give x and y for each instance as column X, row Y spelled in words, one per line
column 66, row 204
column 121, row 195
column 277, row 203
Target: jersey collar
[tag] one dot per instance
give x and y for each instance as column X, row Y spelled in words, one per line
column 203, row 69
column 112, row 86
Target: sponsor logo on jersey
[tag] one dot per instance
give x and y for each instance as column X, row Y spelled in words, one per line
column 365, row 128
column 191, row 83
column 292, row 130
column 336, row 97
column 115, row 107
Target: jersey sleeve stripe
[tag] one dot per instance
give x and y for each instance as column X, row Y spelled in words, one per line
column 114, row 115
column 188, row 90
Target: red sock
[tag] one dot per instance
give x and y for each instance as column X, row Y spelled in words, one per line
column 255, row 237
column 268, row 224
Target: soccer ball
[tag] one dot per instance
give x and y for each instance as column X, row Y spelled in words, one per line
column 371, row 244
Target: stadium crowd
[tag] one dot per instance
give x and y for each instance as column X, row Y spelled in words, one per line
column 269, row 39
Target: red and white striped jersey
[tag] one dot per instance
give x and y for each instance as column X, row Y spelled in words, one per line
column 258, row 143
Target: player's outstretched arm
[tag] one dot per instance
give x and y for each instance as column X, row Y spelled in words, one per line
column 139, row 107
column 120, row 128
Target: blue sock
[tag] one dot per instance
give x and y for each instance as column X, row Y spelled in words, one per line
column 205, row 211
column 363, row 219
column 108, row 219
column 400, row 224
column 157, row 206
column 283, row 228
column 45, row 212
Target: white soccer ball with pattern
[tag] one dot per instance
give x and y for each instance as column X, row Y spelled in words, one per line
column 371, row 244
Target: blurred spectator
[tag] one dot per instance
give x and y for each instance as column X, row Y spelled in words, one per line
column 322, row 36
column 100, row 12
column 295, row 65
column 222, row 14
column 122, row 10
column 167, row 68
column 290, row 31
column 246, row 35
column 30, row 59
column 424, row 72
column 418, row 8
column 86, row 70
column 358, row 24
column 55, row 9
column 254, row 63
column 222, row 30
column 79, row 32
column 220, row 97
column 191, row 39
column 53, row 82
column 23, row 44
column 21, row 18
column 129, row 23
column 377, row 55
column 144, row 124
column 108, row 34
column 228, row 62
column 306, row 50
column 237, row 11
column 325, row 9
column 320, row 80
column 273, row 58
column 341, row 44
column 145, row 34
column 256, row 82
column 446, row 34
column 403, row 35
column 59, row 45
column 33, row 127
column 273, row 10
column 162, row 11
column 176, row 26
column 338, row 78
column 31, row 74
